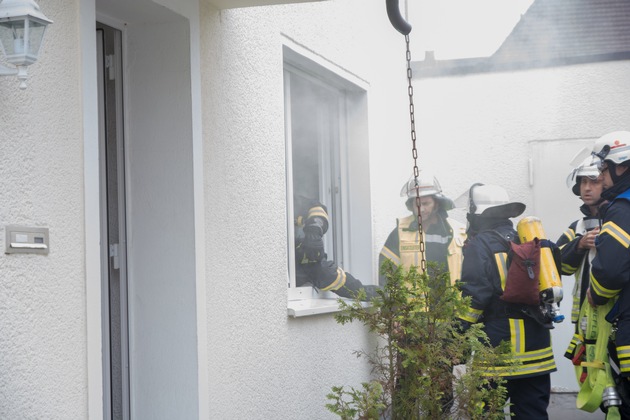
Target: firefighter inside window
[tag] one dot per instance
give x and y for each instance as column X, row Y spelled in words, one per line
column 311, row 263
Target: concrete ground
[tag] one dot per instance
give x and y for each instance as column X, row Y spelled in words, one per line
column 562, row 407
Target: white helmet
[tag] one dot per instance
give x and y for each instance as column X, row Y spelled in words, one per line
column 428, row 185
column 587, row 168
column 492, row 201
column 613, row 147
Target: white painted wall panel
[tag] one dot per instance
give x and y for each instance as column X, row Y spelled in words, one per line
column 162, row 310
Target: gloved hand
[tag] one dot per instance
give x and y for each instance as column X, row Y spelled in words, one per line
column 313, row 244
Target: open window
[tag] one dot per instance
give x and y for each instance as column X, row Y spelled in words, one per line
column 327, row 161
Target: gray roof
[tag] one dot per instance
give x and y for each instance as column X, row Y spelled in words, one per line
column 551, row 33
column 553, row 30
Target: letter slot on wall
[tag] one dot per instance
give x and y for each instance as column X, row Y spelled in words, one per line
column 26, row 240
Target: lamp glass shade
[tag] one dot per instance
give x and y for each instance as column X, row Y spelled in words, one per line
column 21, row 38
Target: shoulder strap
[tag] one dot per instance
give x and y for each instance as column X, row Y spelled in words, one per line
column 505, row 239
column 500, row 259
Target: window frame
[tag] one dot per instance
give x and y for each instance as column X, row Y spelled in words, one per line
column 351, row 110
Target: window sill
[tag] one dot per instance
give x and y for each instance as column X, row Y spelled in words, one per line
column 307, row 307
column 306, row 301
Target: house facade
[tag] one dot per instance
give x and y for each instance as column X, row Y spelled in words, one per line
column 158, row 146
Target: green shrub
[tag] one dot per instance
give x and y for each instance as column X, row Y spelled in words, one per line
column 420, row 340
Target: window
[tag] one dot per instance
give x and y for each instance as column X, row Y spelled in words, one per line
column 327, row 161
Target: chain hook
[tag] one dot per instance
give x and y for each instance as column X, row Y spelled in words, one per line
column 402, row 26
column 414, row 153
column 396, row 19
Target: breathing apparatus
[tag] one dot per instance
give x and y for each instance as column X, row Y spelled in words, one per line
column 550, row 287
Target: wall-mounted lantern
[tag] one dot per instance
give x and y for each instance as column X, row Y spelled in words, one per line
column 22, row 28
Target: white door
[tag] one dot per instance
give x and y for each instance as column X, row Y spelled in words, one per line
column 557, row 207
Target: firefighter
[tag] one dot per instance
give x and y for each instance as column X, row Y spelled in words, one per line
column 443, row 236
column 312, row 266
column 610, row 269
column 577, row 243
column 588, row 347
column 443, row 240
column 490, row 231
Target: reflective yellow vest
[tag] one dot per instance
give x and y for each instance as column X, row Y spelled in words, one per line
column 409, row 245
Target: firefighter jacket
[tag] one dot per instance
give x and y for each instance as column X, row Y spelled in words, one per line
column 403, row 246
column 610, row 269
column 577, row 261
column 483, row 280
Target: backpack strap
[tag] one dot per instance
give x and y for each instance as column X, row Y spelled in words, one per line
column 504, row 238
column 501, row 259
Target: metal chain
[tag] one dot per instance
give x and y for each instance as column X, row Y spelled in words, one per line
column 414, row 153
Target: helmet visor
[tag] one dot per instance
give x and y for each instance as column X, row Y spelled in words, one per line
column 581, row 156
column 589, row 168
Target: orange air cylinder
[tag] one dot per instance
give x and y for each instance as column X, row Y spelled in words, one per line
column 550, row 288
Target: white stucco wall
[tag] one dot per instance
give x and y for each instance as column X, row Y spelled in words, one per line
column 490, row 118
column 43, row 347
column 263, row 364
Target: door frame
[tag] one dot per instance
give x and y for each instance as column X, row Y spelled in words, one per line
column 189, row 10
column 120, row 248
